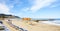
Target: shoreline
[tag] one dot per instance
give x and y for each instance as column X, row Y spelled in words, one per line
column 37, row 26
column 50, row 23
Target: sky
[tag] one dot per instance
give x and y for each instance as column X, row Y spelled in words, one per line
column 31, row 8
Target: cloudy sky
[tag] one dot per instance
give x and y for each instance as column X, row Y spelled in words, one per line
column 31, row 8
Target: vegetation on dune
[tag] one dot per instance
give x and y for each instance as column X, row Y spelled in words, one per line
column 8, row 16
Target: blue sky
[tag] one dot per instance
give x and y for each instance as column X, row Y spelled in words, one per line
column 31, row 8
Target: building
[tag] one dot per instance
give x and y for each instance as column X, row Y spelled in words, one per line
column 26, row 19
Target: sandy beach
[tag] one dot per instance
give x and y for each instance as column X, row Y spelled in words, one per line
column 8, row 26
column 35, row 26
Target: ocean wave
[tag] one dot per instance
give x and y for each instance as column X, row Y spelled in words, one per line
column 56, row 22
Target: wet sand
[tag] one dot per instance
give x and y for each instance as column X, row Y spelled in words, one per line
column 34, row 26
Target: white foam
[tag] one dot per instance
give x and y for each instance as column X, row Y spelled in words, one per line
column 51, row 22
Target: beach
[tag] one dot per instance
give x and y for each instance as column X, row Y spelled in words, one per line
column 8, row 27
column 34, row 26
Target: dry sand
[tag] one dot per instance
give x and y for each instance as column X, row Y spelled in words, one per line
column 8, row 26
column 34, row 26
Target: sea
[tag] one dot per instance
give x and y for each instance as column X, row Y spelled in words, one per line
column 55, row 22
column 52, row 22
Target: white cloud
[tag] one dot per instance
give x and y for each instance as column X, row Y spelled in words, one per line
column 38, row 4
column 4, row 9
column 7, row 5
